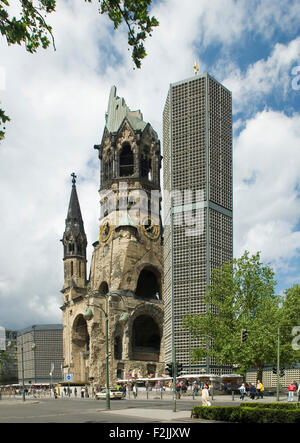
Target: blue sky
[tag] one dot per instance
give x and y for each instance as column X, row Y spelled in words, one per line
column 57, row 102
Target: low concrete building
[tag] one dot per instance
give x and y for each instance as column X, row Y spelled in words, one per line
column 40, row 353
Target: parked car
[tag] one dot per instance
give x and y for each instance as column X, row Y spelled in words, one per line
column 113, row 393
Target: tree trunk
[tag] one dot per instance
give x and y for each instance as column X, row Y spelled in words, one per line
column 259, row 373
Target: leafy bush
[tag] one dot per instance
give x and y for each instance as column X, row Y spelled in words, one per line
column 270, row 405
column 250, row 414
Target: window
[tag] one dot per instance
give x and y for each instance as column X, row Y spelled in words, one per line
column 126, row 161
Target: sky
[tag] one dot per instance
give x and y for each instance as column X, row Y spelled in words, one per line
column 57, row 102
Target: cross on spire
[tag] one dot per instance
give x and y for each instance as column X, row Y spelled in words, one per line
column 73, row 175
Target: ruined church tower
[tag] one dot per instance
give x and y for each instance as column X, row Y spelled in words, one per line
column 125, row 278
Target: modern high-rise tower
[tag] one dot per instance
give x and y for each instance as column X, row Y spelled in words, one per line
column 197, row 150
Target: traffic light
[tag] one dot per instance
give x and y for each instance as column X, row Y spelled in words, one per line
column 244, row 334
column 178, row 369
column 282, row 373
column 169, row 369
column 274, row 370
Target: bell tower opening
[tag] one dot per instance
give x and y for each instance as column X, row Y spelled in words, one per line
column 126, row 161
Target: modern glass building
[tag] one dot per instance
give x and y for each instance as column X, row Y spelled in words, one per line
column 197, row 152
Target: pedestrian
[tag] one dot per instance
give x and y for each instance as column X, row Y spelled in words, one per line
column 298, row 393
column 205, row 396
column 259, row 389
column 196, row 388
column 82, row 392
column 178, row 389
column 252, row 391
column 134, row 390
column 291, row 390
column 247, row 388
column 75, row 392
column 242, row 389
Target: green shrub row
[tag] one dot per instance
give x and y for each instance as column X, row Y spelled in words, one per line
column 271, row 405
column 244, row 414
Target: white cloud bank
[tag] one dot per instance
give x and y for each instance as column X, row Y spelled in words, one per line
column 57, row 101
column 267, row 185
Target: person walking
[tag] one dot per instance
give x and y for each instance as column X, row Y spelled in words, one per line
column 291, row 390
column 298, row 393
column 242, row 390
column 259, row 389
column 205, row 396
column 252, row 391
column 134, row 390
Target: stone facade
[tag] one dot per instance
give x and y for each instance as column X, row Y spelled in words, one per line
column 125, row 280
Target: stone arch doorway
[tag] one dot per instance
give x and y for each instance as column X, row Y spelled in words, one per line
column 80, row 349
column 146, row 339
column 149, row 284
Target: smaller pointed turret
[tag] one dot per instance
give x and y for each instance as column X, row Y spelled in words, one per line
column 75, row 243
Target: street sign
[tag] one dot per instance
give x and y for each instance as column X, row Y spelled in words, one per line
column 69, row 377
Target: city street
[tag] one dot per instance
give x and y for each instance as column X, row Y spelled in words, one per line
column 66, row 410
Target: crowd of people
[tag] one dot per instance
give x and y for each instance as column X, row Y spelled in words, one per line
column 257, row 391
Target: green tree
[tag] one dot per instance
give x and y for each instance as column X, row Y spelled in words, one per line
column 241, row 296
column 290, row 321
column 32, row 30
column 4, row 360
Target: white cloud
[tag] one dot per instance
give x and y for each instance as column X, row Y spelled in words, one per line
column 273, row 75
column 57, row 101
column 266, row 192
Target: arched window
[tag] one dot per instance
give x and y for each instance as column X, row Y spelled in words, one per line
column 146, row 164
column 118, row 348
column 108, row 167
column 126, row 161
column 103, row 289
column 146, row 339
column 148, row 285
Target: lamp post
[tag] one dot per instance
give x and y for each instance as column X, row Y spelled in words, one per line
column 278, row 363
column 23, row 382
column 107, row 296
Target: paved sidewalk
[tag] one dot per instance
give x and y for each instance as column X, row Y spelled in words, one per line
column 154, row 414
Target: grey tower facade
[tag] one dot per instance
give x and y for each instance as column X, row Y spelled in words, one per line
column 197, row 150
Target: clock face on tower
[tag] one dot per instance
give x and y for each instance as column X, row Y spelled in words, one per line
column 105, row 231
column 150, row 228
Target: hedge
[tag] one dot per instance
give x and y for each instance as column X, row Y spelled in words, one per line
column 246, row 414
column 271, row 405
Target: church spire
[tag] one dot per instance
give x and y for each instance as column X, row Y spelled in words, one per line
column 74, row 241
column 74, row 220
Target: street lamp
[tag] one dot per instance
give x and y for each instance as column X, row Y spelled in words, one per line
column 23, row 382
column 108, row 297
column 33, row 346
